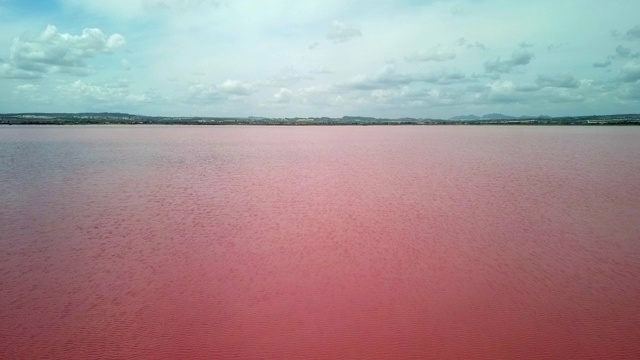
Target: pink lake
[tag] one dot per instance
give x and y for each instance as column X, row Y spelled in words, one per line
column 396, row 242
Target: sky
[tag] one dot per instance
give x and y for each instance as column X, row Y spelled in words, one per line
column 388, row 58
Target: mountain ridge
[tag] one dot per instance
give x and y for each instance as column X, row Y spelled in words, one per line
column 497, row 116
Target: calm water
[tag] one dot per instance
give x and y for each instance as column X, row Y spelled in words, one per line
column 319, row 242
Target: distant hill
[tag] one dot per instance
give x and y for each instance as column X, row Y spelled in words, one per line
column 496, row 116
column 487, row 119
column 465, row 117
column 94, row 114
column 109, row 114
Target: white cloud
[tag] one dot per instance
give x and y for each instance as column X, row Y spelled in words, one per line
column 33, row 92
column 236, row 87
column 228, row 90
column 631, row 72
column 554, row 47
column 518, row 58
column 316, row 90
column 602, row 64
column 558, row 81
column 549, row 90
column 204, row 57
column 202, row 93
column 634, row 33
column 113, row 93
column 470, row 45
column 27, row 88
column 341, row 32
column 561, row 96
column 282, row 96
column 626, row 53
column 503, row 91
column 412, row 97
column 621, row 53
column 630, row 92
column 9, row 71
column 52, row 52
column 390, row 77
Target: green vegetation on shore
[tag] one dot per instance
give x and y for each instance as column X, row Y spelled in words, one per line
column 120, row 118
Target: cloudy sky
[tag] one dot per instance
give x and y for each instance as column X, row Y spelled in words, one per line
column 388, row 58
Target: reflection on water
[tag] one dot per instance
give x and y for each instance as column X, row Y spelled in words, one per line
column 319, row 242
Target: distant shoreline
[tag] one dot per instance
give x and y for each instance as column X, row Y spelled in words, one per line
column 128, row 119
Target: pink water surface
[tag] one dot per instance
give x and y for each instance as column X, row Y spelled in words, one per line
column 143, row 242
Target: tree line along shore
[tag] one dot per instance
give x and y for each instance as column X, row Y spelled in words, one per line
column 121, row 118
